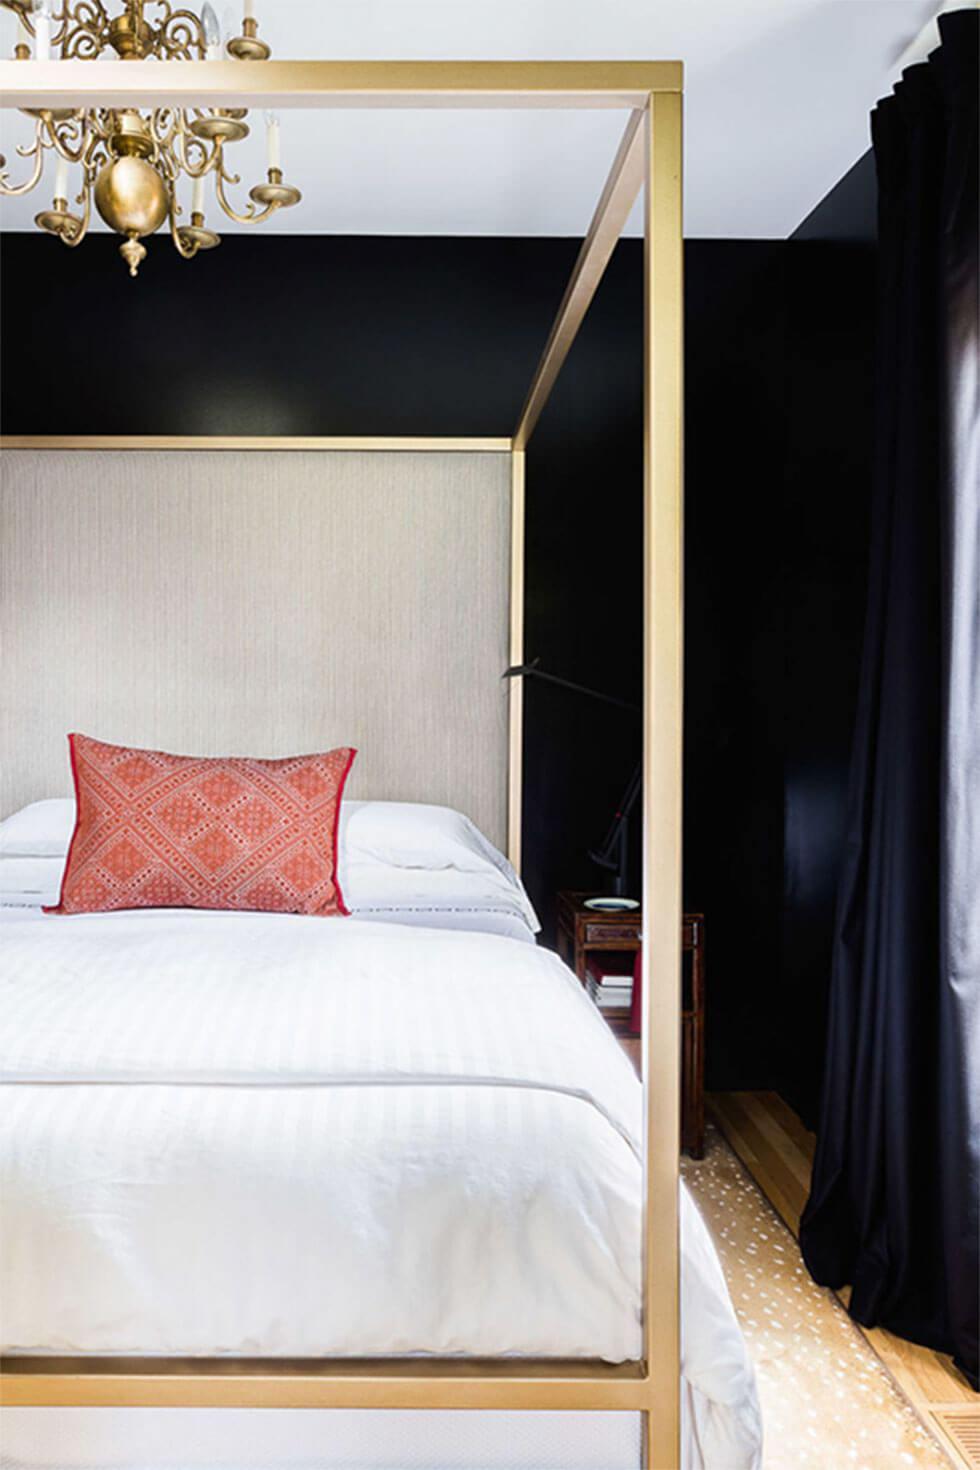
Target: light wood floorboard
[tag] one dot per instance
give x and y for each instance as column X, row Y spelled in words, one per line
column 778, row 1151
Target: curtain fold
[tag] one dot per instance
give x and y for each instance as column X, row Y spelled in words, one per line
column 893, row 1208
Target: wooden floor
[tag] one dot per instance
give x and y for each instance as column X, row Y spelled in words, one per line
column 778, row 1151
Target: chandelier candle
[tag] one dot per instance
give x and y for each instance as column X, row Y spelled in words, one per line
column 212, row 33
column 61, row 184
column 132, row 162
column 272, row 146
column 42, row 36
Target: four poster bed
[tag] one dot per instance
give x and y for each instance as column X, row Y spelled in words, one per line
column 275, row 1162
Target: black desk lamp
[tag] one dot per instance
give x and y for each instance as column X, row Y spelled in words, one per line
column 612, row 854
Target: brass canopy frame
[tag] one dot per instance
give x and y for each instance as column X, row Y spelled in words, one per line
column 650, row 155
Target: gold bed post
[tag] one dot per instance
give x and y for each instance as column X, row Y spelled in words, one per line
column 515, row 762
column 662, row 730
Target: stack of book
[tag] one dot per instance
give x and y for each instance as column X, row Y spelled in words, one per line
column 609, row 981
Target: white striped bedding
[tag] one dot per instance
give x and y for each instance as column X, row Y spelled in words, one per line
column 263, row 1134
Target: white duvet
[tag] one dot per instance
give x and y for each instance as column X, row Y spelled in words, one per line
column 264, row 1134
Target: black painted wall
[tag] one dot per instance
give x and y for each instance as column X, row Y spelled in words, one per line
column 325, row 335
column 275, row 335
column 735, row 443
column 779, row 385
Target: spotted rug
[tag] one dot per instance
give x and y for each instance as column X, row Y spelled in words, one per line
column 827, row 1401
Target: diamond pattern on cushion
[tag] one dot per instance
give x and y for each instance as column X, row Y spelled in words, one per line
column 182, row 814
column 303, row 871
column 164, row 891
column 214, row 850
column 122, row 861
column 92, row 893
column 164, row 831
column 220, row 789
column 134, row 772
column 266, row 895
column 253, row 819
column 309, row 781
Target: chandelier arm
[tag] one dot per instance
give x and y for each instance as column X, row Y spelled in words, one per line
column 250, row 217
column 185, row 251
column 23, row 12
column 223, row 173
column 28, row 151
column 11, row 191
column 85, row 30
column 61, row 145
column 95, row 139
column 89, row 12
column 164, row 125
column 83, row 44
column 208, row 164
column 60, row 18
column 79, row 235
column 163, row 160
column 179, row 33
column 191, row 238
column 185, row 142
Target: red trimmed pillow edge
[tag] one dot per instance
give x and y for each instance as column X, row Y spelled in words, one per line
column 341, row 784
column 59, row 907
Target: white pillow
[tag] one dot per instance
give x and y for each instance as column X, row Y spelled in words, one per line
column 28, row 882
column 42, row 829
column 439, row 899
column 409, row 834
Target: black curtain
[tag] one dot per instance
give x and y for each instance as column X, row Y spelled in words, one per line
column 893, row 1205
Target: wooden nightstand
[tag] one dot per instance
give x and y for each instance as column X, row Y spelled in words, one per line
column 581, row 931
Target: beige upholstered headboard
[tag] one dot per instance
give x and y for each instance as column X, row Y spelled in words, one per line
column 260, row 603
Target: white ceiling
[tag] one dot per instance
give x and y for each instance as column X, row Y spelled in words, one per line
column 777, row 100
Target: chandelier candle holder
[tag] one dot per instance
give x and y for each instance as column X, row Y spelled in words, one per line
column 132, row 162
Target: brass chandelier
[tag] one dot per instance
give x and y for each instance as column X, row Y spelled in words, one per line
column 131, row 162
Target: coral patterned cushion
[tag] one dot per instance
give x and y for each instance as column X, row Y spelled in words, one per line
column 173, row 831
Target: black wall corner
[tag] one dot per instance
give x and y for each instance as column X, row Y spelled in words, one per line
column 848, row 214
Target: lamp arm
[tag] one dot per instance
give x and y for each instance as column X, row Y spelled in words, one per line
column 531, row 670
column 607, row 853
column 613, row 853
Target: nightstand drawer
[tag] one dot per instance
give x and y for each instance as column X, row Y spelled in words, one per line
column 599, row 933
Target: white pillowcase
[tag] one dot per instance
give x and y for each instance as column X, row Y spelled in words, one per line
column 30, row 882
column 42, row 829
column 439, row 899
column 409, row 834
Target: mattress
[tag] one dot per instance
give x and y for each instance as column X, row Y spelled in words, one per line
column 255, row 1134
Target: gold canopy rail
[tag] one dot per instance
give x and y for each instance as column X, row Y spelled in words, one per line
column 649, row 156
